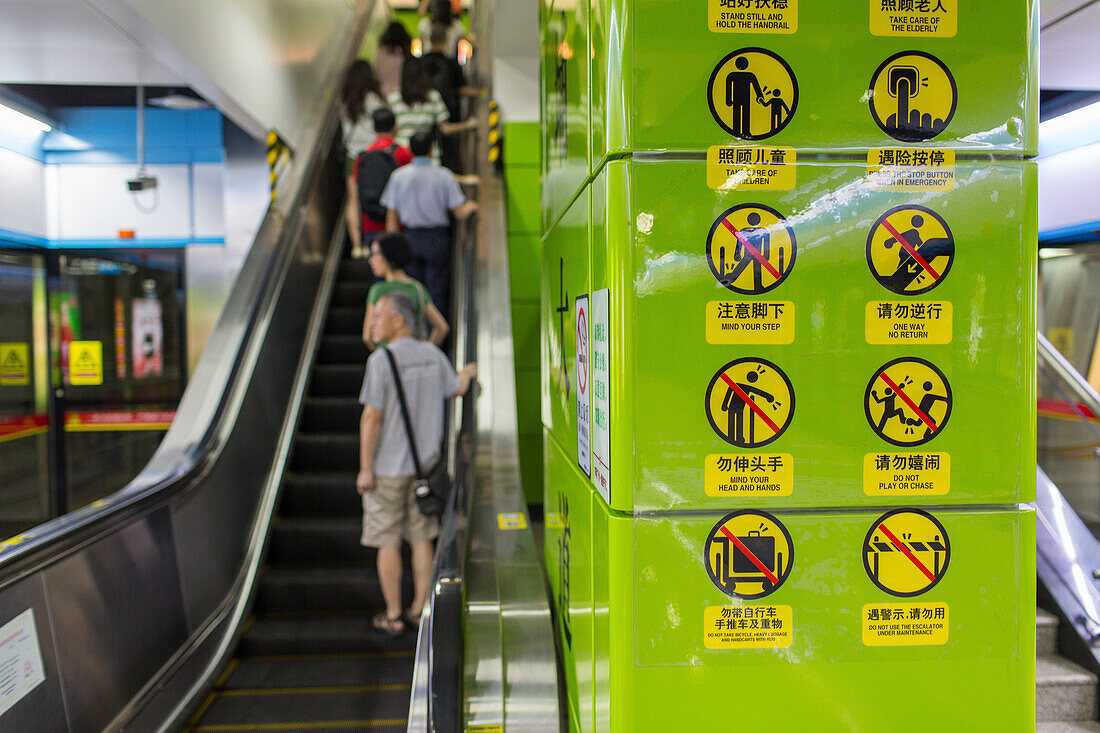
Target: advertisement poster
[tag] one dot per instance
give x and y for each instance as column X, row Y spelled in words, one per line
column 148, row 337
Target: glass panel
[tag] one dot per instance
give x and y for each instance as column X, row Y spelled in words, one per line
column 117, row 321
column 24, row 439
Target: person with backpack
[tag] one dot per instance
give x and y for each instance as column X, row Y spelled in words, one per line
column 449, row 80
column 360, row 97
column 370, row 174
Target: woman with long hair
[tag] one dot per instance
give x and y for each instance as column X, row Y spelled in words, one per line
column 389, row 255
column 360, row 97
column 417, row 106
column 394, row 46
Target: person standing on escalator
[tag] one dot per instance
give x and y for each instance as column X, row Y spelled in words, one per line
column 386, row 470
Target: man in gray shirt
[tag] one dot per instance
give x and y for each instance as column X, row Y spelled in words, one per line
column 386, row 471
column 419, row 197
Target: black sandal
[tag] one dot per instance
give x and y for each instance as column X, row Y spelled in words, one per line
column 389, row 626
column 412, row 620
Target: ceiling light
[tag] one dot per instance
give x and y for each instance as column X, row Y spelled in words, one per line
column 179, row 102
column 1071, row 130
column 19, row 118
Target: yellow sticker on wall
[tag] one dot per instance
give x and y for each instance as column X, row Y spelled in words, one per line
column 15, row 364
column 903, row 322
column 760, row 474
column 85, row 363
column 906, row 552
column 906, row 474
column 755, row 322
column 922, row 18
column 748, row 627
column 912, row 96
column 752, row 93
column 911, row 169
column 751, row 169
column 905, row 624
column 757, row 16
column 512, row 520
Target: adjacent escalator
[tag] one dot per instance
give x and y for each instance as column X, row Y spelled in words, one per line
column 308, row 658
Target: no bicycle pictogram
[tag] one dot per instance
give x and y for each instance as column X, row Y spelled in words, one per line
column 751, row 249
column 912, row 96
column 910, row 249
column 906, row 552
column 749, row 402
column 908, row 401
column 752, row 93
column 749, row 554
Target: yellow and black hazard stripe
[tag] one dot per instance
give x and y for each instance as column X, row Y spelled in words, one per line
column 496, row 134
column 278, row 158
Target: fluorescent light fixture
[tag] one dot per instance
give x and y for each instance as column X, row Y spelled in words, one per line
column 18, row 118
column 179, row 102
column 1052, row 252
column 1071, row 130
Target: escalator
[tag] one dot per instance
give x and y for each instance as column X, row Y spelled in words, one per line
column 308, row 659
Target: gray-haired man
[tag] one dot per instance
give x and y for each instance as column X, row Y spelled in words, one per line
column 386, row 471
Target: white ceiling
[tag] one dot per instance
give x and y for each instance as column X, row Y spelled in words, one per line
column 69, row 42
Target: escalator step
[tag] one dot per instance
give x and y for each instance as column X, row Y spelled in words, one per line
column 342, row 349
column 383, row 668
column 323, row 494
column 311, row 590
column 350, row 293
column 321, row 635
column 331, row 414
column 336, row 380
column 356, row 270
column 319, row 540
column 325, row 451
column 346, row 320
column 373, row 708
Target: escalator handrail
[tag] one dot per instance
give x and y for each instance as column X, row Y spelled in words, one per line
column 206, row 411
column 1052, row 358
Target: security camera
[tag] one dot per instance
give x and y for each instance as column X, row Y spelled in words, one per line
column 142, row 183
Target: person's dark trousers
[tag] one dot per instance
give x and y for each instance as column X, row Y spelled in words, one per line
column 431, row 263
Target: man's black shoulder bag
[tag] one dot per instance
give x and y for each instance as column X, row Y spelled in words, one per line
column 432, row 489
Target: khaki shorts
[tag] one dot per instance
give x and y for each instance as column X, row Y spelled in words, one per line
column 390, row 513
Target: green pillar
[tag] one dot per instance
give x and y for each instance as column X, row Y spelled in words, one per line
column 788, row 341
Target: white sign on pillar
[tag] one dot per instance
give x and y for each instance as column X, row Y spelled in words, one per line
column 584, row 387
column 601, row 393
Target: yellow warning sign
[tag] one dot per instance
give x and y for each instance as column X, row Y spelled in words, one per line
column 751, row 249
column 485, row 728
column 554, row 520
column 911, row 169
column 908, row 401
column 752, row 93
column 512, row 520
column 906, row 552
column 906, row 474
column 762, row 16
column 756, row 322
column 15, row 364
column 749, row 554
column 924, row 18
column 905, row 624
column 910, row 249
column 749, row 402
column 912, row 96
column 85, row 363
column 757, row 474
column 902, row 322
column 748, row 627
column 751, row 169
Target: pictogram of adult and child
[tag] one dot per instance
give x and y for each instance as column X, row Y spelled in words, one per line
column 753, row 94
